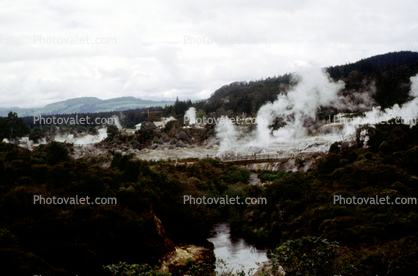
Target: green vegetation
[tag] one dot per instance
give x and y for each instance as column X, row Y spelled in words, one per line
column 71, row 239
column 265, row 175
column 12, row 127
column 124, row 269
column 308, row 256
column 390, row 72
column 387, row 75
column 374, row 239
column 300, row 220
column 308, row 233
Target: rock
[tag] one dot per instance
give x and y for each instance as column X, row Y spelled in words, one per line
column 169, row 245
column 180, row 144
column 266, row 269
column 147, row 126
column 157, row 140
column 173, row 141
column 182, row 256
column 183, row 136
column 154, row 146
column 162, row 147
column 165, row 138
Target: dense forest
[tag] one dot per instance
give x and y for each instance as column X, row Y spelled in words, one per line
column 373, row 239
column 81, row 239
column 299, row 219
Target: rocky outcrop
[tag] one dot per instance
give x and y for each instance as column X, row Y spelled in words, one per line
column 266, row 269
column 183, row 256
column 180, row 257
column 147, row 126
column 180, row 144
column 183, row 136
column 168, row 244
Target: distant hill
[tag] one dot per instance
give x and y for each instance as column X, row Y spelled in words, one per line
column 85, row 105
column 389, row 74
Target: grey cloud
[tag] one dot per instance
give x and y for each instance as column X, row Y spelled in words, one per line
column 150, row 58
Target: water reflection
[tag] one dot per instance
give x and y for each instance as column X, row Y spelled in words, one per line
column 235, row 251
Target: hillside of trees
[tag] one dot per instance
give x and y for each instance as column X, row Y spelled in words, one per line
column 299, row 219
column 372, row 239
column 63, row 239
column 389, row 74
column 308, row 233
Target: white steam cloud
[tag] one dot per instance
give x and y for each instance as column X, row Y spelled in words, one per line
column 166, row 120
column 414, row 87
column 313, row 90
column 228, row 134
column 117, row 123
column 84, row 140
column 296, row 115
column 407, row 114
column 190, row 116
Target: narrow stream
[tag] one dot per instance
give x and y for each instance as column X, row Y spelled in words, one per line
column 236, row 252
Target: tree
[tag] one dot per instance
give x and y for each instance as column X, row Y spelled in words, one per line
column 112, row 131
column 56, row 152
column 12, row 127
column 36, row 134
column 308, row 256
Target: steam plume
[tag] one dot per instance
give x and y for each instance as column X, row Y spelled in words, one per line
column 190, row 116
column 313, row 90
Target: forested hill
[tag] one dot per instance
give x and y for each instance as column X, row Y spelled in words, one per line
column 386, row 77
column 391, row 73
column 244, row 96
column 86, row 105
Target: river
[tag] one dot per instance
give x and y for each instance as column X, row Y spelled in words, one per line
column 236, row 252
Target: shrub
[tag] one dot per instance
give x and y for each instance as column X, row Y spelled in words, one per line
column 308, row 256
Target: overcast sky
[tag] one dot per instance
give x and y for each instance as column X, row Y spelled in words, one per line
column 57, row 50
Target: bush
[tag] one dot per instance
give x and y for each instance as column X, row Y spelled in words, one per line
column 56, row 152
column 124, row 269
column 157, row 140
column 308, row 256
